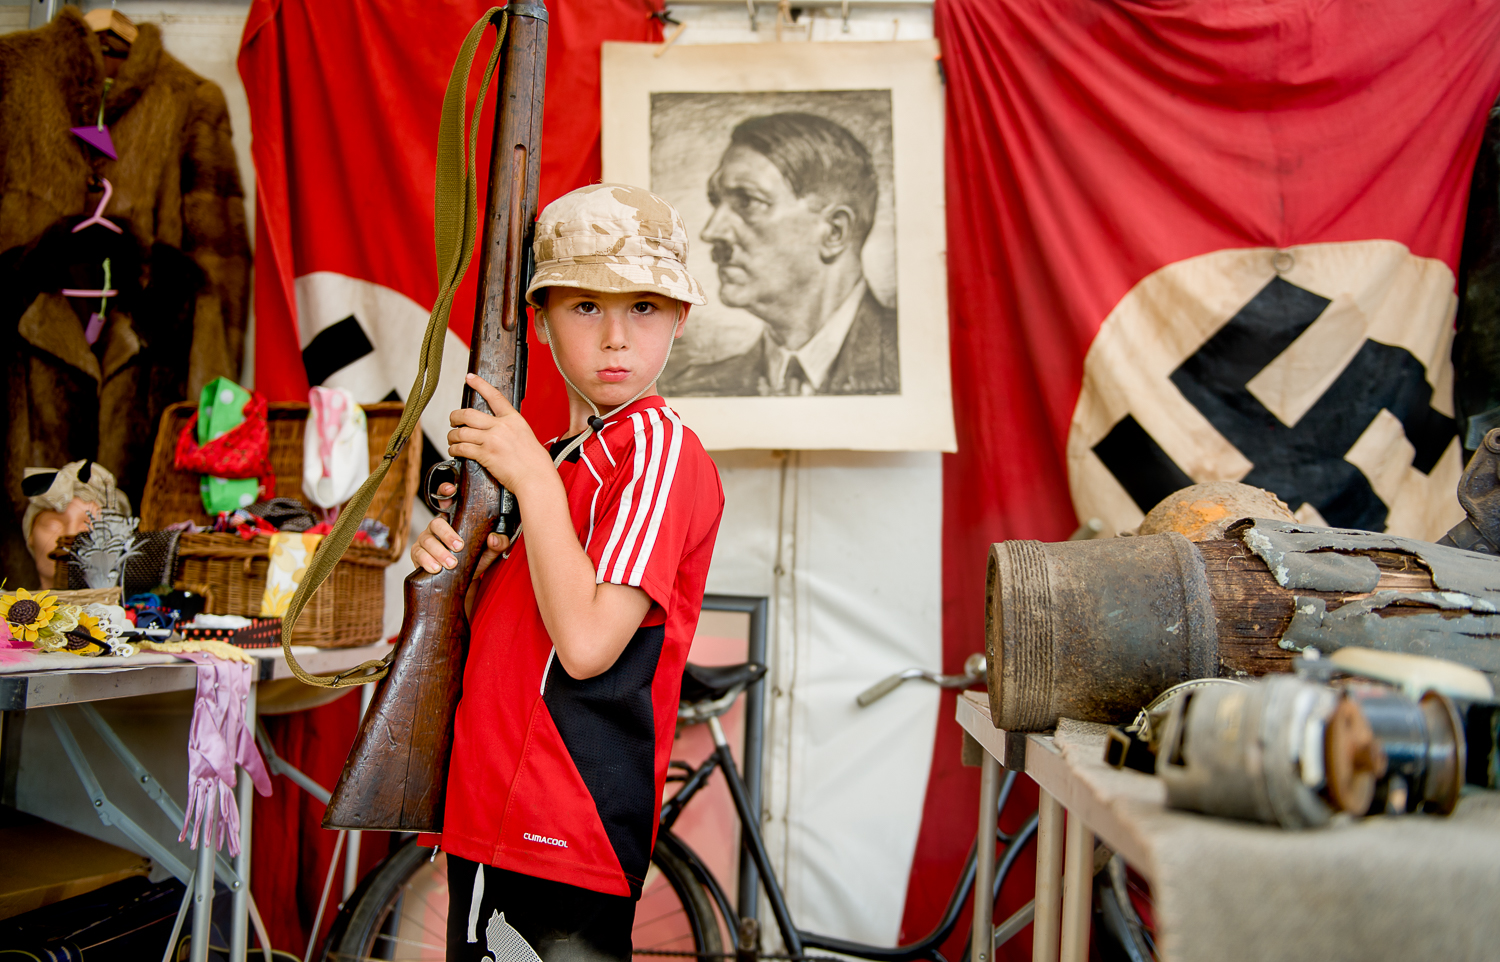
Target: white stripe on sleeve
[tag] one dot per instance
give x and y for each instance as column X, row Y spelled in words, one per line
column 605, row 444
column 622, row 515
column 594, row 501
column 664, row 490
column 643, row 507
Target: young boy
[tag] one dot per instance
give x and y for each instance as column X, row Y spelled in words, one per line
column 580, row 634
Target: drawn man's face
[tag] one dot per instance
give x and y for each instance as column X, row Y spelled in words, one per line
column 765, row 239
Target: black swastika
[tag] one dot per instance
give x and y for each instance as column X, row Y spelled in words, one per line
column 1300, row 464
column 334, row 348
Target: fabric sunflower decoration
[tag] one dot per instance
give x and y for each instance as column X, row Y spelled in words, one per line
column 54, row 635
column 87, row 637
column 29, row 615
column 78, row 630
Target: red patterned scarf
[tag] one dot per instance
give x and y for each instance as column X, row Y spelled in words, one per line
column 244, row 451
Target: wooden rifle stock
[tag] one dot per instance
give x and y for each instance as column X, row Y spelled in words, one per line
column 397, row 771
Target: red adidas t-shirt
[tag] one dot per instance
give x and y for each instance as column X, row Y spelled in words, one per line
column 560, row 778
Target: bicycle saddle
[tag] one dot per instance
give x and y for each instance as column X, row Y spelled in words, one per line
column 710, row 682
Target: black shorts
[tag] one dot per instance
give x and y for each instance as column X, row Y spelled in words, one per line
column 563, row 923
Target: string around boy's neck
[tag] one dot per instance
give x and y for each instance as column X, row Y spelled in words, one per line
column 596, row 421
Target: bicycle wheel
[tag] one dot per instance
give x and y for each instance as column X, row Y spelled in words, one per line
column 674, row 913
column 400, row 911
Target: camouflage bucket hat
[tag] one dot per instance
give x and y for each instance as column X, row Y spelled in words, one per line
column 613, row 239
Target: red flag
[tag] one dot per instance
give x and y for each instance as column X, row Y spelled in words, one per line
column 1193, row 241
column 344, row 101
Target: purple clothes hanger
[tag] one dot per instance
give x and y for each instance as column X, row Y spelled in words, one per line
column 98, row 217
column 96, row 320
column 96, row 136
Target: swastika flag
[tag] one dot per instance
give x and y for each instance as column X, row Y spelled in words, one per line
column 1204, row 242
column 1197, row 241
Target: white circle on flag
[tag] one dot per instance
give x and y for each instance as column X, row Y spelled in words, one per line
column 1321, row 372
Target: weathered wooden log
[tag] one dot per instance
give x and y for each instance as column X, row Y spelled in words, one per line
column 1094, row 630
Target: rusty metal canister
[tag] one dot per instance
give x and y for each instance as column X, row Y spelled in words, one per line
column 1093, row 630
column 1255, row 752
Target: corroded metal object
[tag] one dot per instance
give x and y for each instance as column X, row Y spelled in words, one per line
column 1291, row 751
column 1354, row 759
column 1479, row 496
column 1204, row 512
column 1254, row 752
column 1094, row 629
column 1425, row 742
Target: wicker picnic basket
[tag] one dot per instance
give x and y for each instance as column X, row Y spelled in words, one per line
column 349, row 608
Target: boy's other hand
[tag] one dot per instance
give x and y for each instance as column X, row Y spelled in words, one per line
column 435, row 547
column 502, row 443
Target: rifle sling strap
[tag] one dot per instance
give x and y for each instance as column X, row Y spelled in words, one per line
column 456, row 220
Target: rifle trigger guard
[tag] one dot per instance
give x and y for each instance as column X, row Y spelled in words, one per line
column 429, row 487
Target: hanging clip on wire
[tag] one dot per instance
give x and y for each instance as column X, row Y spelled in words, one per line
column 96, row 320
column 664, row 17
column 104, row 292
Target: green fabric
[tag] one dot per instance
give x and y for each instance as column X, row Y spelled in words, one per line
column 456, row 219
column 227, row 494
column 221, row 407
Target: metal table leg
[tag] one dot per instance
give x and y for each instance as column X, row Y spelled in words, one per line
column 105, row 809
column 146, row 782
column 1049, row 857
column 239, row 925
column 1078, row 891
column 203, row 898
column 984, row 878
column 182, row 908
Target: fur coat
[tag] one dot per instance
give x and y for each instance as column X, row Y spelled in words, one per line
column 182, row 262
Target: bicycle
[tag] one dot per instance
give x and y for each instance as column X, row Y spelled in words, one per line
column 399, row 910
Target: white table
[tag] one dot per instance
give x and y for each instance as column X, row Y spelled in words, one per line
column 47, row 680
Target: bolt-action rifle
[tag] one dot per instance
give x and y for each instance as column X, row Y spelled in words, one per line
column 397, row 771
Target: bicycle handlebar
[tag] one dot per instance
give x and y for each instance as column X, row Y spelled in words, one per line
column 975, row 667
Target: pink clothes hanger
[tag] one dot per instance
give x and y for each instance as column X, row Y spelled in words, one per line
column 96, row 320
column 98, row 218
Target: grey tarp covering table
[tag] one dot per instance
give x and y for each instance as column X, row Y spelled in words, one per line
column 1414, row 887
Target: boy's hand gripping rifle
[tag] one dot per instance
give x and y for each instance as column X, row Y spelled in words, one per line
column 397, row 771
